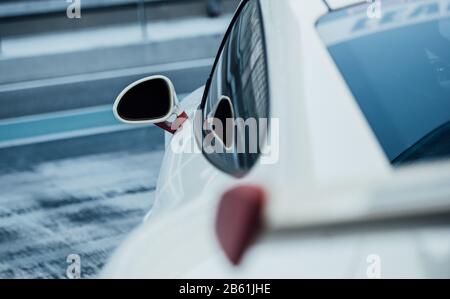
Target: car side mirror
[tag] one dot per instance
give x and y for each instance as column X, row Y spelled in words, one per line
column 151, row 100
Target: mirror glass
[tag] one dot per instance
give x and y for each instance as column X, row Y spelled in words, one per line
column 146, row 101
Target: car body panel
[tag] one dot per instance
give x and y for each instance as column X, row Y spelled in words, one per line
column 404, row 253
column 185, row 174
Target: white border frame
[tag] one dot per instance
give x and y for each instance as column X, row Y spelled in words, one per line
column 173, row 103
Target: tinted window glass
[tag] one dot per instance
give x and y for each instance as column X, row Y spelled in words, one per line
column 241, row 76
column 398, row 68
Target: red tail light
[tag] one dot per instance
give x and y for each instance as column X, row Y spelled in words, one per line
column 239, row 220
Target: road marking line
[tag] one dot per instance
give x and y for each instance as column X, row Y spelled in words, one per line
column 62, row 136
column 61, row 125
column 57, row 114
column 112, row 36
column 159, row 68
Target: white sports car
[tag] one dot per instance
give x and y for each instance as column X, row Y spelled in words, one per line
column 317, row 148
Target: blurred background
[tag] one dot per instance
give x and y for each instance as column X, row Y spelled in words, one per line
column 72, row 179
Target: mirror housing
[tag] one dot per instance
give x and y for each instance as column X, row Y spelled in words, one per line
column 151, row 100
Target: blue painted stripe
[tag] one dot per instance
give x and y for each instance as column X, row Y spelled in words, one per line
column 59, row 124
column 71, row 122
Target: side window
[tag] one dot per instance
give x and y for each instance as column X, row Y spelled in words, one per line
column 239, row 90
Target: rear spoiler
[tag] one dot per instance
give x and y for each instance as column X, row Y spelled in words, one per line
column 411, row 193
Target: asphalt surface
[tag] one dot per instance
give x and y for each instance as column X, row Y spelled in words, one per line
column 73, row 180
column 72, row 206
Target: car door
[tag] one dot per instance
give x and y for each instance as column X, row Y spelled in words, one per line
column 239, row 80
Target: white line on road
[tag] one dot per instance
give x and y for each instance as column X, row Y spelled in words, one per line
column 111, row 36
column 160, row 68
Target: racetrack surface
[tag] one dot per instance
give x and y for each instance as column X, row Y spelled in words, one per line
column 72, row 206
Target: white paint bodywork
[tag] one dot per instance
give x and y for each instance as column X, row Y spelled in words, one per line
column 325, row 144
